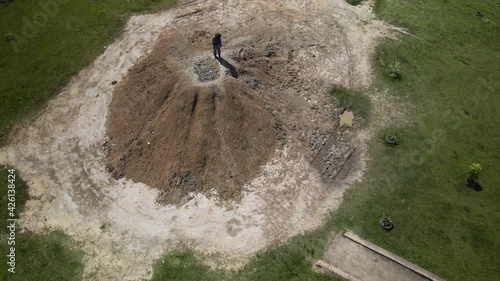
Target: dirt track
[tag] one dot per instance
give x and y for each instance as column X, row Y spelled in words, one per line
column 62, row 154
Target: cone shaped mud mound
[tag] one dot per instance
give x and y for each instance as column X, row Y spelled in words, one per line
column 185, row 122
column 179, row 120
column 183, row 138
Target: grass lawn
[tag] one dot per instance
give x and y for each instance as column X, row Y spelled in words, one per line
column 48, row 257
column 41, row 48
column 291, row 262
column 450, row 77
column 52, row 44
column 37, row 257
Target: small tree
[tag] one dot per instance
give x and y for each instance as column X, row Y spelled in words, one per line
column 473, row 176
column 395, row 72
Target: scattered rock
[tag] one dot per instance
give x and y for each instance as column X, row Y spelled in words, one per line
column 207, row 69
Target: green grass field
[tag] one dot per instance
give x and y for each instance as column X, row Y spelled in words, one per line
column 52, row 44
column 450, row 78
column 450, row 83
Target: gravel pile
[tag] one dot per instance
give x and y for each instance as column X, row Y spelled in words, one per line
column 207, row 70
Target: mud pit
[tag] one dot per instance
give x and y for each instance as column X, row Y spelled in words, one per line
column 293, row 52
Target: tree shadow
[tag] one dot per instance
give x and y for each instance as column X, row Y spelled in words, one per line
column 472, row 183
column 477, row 187
column 229, row 66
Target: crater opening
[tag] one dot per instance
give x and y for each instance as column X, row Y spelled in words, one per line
column 207, row 69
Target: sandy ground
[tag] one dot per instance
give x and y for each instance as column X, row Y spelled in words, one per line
column 118, row 222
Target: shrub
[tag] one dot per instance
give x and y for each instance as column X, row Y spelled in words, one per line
column 395, row 72
column 473, row 176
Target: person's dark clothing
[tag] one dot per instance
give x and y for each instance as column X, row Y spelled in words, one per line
column 217, row 40
column 217, row 43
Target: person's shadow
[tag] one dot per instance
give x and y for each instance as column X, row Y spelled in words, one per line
column 229, row 66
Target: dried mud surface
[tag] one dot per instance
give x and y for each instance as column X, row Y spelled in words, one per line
column 280, row 59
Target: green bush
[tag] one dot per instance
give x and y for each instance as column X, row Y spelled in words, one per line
column 354, row 2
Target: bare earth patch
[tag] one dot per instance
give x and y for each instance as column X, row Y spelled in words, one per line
column 184, row 138
column 270, row 127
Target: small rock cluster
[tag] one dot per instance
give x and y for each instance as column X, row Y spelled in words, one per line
column 207, row 70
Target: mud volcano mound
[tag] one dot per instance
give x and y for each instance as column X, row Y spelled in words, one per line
column 180, row 136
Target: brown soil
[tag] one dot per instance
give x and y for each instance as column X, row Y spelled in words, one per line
column 293, row 52
column 184, row 138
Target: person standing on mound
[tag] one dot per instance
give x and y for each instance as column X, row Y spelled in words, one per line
column 217, row 43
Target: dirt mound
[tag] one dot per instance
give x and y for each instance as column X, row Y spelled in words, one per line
column 285, row 53
column 185, row 122
column 184, row 138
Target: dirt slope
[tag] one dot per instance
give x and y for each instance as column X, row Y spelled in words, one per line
column 184, row 122
column 184, row 138
column 293, row 52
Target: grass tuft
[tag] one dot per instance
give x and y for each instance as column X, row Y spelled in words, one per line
column 352, row 100
column 354, row 2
